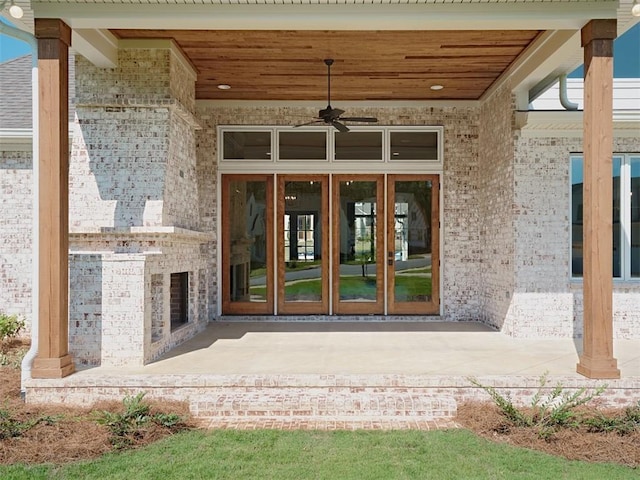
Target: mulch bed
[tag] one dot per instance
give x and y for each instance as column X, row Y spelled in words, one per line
column 573, row 443
column 73, row 434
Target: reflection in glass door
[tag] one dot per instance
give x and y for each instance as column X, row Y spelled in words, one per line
column 303, row 226
column 412, row 244
column 247, row 239
column 358, row 244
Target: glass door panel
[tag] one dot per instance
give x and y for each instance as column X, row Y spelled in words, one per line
column 247, row 259
column 412, row 244
column 303, row 226
column 358, row 242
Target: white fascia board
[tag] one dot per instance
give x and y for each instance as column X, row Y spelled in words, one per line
column 100, row 47
column 453, row 16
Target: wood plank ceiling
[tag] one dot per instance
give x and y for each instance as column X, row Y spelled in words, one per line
column 369, row 65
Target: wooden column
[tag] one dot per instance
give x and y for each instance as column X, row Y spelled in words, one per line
column 53, row 359
column 597, row 359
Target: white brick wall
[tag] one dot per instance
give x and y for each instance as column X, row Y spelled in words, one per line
column 16, row 220
column 134, row 177
column 495, row 205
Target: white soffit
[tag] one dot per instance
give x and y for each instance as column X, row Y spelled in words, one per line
column 327, row 14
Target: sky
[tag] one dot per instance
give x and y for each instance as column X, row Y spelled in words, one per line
column 626, row 63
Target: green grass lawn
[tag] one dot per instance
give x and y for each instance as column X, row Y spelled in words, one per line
column 296, row 455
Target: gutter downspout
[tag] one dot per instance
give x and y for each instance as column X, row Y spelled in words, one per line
column 564, row 99
column 27, row 361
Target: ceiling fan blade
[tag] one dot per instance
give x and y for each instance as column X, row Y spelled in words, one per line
column 339, row 126
column 308, row 123
column 359, row 119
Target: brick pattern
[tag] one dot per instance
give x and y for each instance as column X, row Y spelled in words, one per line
column 157, row 307
column 16, row 223
column 133, row 167
column 496, row 191
column 85, row 318
column 547, row 302
column 320, row 401
column 118, row 166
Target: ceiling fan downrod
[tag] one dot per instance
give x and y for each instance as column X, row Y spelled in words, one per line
column 328, row 62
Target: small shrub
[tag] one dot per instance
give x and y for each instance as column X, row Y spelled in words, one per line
column 12, row 358
column 624, row 424
column 10, row 326
column 128, row 426
column 11, row 427
column 547, row 412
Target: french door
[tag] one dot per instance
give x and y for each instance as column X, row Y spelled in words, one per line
column 358, row 244
column 413, row 244
column 303, row 244
column 320, row 244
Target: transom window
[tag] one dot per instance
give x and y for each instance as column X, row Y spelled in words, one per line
column 626, row 216
column 245, row 145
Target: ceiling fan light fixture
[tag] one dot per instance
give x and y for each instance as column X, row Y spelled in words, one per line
column 436, row 87
column 635, row 10
column 224, row 86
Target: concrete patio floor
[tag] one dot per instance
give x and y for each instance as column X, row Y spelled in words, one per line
column 407, row 348
column 341, row 374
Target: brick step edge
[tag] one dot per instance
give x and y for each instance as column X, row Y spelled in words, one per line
column 326, row 404
column 327, row 423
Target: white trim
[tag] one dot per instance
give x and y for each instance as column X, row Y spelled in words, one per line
column 330, row 165
column 16, row 140
column 425, row 15
column 99, row 46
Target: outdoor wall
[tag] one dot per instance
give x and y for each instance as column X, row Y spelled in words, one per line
column 16, row 226
column 524, row 229
column 460, row 250
column 495, row 209
column 134, row 207
column 550, row 302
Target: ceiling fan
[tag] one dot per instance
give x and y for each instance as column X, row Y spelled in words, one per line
column 332, row 116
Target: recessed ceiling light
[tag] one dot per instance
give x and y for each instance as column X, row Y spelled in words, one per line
column 436, row 87
column 224, row 86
